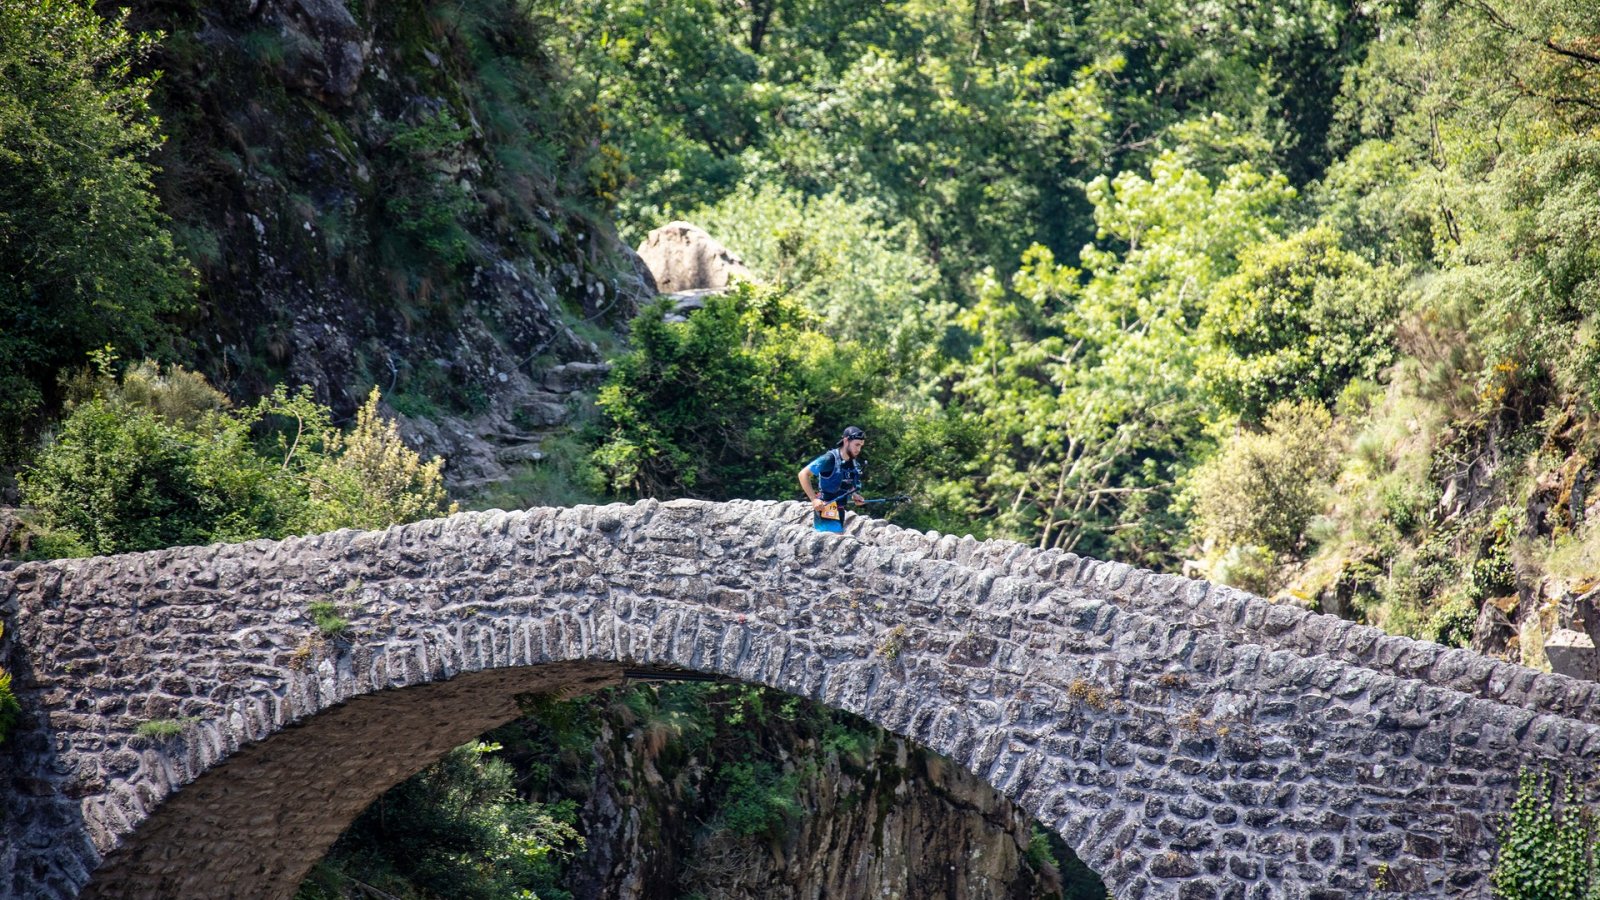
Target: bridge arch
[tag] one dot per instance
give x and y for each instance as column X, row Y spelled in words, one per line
column 1186, row 740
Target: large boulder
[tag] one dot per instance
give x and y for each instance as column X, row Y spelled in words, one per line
column 682, row 258
column 1572, row 653
column 324, row 47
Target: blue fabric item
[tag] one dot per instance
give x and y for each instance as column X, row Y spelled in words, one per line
column 830, row 526
column 837, row 479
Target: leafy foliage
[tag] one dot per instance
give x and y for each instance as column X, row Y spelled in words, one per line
column 866, row 282
column 157, row 460
column 734, row 400
column 975, row 123
column 85, row 259
column 456, row 829
column 1545, row 849
column 427, row 203
column 326, row 615
column 368, row 478
column 1299, row 320
column 10, row 707
column 1262, row 489
column 1083, row 379
column 163, row 728
column 758, row 798
column 716, row 406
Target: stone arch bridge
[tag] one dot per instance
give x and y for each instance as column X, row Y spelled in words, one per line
column 1187, row 740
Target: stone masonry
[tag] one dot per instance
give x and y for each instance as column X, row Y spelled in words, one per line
column 190, row 732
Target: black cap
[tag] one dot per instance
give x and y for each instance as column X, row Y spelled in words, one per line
column 853, row 433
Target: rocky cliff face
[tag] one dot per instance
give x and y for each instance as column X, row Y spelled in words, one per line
column 802, row 805
column 392, row 194
column 906, row 825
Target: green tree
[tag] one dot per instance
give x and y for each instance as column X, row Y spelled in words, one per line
column 456, row 829
column 1493, row 105
column 1082, row 379
column 729, row 403
column 976, row 124
column 734, row 400
column 866, row 282
column 1299, row 320
column 85, row 259
column 1262, row 488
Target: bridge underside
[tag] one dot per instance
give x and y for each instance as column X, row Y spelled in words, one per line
column 270, row 811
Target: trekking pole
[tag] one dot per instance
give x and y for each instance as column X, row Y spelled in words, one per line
column 898, row 498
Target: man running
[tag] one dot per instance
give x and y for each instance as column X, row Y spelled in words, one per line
column 840, row 472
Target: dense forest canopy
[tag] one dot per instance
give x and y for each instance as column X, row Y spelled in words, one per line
column 1298, row 296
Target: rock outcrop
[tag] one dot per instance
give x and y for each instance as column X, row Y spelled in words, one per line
column 880, row 818
column 345, row 198
column 683, row 258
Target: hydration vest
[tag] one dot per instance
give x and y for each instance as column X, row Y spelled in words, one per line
column 839, row 478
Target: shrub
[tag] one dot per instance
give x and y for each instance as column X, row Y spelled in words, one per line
column 456, row 829
column 369, row 478
column 121, row 479
column 1249, row 568
column 1262, row 489
column 1299, row 320
column 730, row 403
column 158, row 460
column 426, row 203
column 10, row 708
column 1452, row 623
column 1041, row 854
column 758, row 799
column 868, row 282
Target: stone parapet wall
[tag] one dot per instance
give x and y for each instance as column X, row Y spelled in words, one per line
column 1187, row 740
column 1243, row 617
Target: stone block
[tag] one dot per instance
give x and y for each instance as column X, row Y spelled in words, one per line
column 1572, row 653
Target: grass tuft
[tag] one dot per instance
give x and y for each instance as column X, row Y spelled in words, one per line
column 326, row 615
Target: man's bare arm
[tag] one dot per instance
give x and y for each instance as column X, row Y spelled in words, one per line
column 805, row 485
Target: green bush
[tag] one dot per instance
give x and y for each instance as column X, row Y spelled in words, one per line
column 1041, row 853
column 122, row 479
column 1262, row 489
column 730, row 403
column 867, row 282
column 368, row 478
column 1493, row 572
column 10, row 708
column 1249, row 568
column 156, row 460
column 758, row 798
column 733, row 401
column 457, row 829
column 427, row 204
column 1452, row 623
